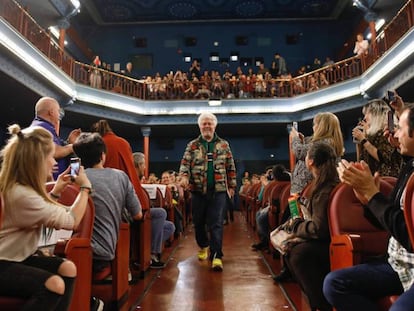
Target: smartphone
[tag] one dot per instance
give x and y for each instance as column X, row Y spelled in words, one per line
column 74, row 166
column 391, row 96
column 391, row 126
column 354, row 139
column 295, row 125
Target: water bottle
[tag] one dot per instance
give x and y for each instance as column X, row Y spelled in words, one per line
column 294, row 205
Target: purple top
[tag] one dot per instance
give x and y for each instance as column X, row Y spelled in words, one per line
column 63, row 163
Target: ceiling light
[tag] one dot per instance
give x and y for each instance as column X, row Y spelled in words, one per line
column 214, row 102
column 75, row 3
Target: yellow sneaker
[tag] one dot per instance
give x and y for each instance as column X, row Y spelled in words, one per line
column 217, row 264
column 203, row 253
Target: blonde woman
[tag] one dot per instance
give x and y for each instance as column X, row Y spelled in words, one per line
column 45, row 282
column 326, row 127
column 373, row 147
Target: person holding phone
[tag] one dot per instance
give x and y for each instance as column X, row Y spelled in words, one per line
column 373, row 147
column 74, row 167
column 395, row 102
column 327, row 129
column 45, row 282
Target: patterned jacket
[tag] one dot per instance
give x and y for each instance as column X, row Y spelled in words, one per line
column 194, row 165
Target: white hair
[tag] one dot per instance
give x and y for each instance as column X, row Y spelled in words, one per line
column 207, row 115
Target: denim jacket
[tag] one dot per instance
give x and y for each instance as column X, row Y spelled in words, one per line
column 194, row 166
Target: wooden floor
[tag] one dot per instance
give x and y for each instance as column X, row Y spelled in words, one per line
column 189, row 284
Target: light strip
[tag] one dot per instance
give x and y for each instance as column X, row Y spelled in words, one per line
column 36, row 65
column 387, row 67
column 299, row 103
column 54, row 31
column 101, row 101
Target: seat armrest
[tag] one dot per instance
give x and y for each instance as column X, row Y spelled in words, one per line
column 345, row 250
column 64, row 247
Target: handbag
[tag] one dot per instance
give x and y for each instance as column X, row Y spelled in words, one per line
column 283, row 240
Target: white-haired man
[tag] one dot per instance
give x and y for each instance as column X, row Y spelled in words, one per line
column 207, row 167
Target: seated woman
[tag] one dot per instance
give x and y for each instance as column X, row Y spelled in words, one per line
column 46, row 283
column 279, row 173
column 308, row 261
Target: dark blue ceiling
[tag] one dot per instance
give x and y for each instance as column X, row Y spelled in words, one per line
column 136, row 11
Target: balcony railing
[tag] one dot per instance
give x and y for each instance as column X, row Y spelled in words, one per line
column 170, row 89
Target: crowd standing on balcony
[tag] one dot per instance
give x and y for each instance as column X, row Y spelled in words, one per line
column 196, row 83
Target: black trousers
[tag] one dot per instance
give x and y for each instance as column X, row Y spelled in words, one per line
column 309, row 264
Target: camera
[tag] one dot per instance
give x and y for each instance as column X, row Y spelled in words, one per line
column 74, row 166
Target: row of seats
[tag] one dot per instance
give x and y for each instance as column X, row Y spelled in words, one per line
column 354, row 239
column 77, row 248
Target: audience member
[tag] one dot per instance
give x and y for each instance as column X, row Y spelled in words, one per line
column 262, row 69
column 46, row 282
column 168, row 178
column 280, row 65
column 95, row 74
column 129, row 72
column 326, row 128
column 361, row 45
column 113, row 192
column 48, row 115
column 328, row 61
column 161, row 228
column 279, row 173
column 373, row 147
column 308, row 260
column 119, row 156
column 358, row 287
column 195, row 69
column 316, row 64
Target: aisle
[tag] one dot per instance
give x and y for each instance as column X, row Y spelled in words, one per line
column 187, row 284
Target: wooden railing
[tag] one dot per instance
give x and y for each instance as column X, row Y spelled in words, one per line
column 393, row 31
column 346, row 69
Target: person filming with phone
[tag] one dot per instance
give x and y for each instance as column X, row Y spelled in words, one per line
column 372, row 145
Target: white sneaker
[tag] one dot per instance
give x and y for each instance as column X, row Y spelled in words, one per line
column 97, row 304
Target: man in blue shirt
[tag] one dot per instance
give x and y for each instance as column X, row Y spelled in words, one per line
column 48, row 116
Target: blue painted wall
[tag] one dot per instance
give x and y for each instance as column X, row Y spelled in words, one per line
column 166, row 43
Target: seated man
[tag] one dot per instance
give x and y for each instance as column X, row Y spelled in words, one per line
column 358, row 287
column 112, row 193
column 161, row 228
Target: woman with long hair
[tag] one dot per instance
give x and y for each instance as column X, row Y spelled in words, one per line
column 308, row 260
column 46, row 283
column 373, row 147
column 326, row 128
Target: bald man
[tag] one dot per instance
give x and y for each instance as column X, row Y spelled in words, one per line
column 47, row 115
